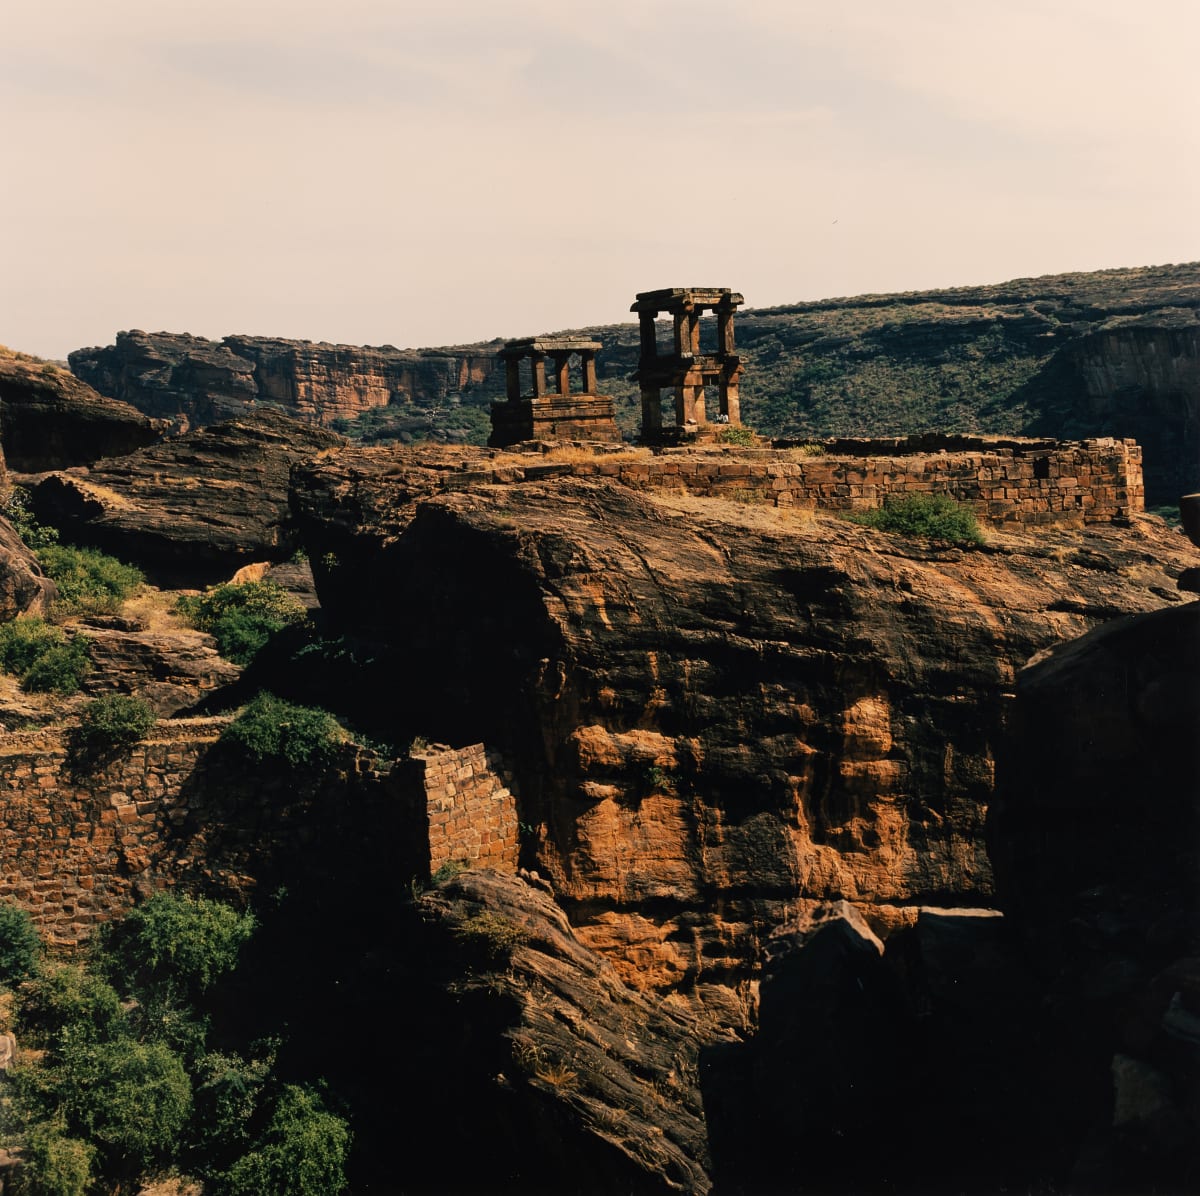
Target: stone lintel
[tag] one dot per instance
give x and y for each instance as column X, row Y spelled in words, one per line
column 549, row 344
column 663, row 371
column 676, row 299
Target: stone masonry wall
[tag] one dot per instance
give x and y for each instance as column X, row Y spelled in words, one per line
column 179, row 811
column 471, row 807
column 1006, row 481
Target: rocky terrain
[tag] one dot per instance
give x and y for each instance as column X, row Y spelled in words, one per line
column 850, row 861
column 1111, row 353
column 193, row 509
column 51, row 420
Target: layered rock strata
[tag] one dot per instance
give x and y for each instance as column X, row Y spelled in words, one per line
column 192, row 381
column 718, row 712
column 51, row 420
column 191, row 510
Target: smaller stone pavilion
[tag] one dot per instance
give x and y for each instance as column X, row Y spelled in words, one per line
column 558, row 414
column 684, row 368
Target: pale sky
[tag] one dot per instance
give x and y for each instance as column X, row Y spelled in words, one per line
column 387, row 171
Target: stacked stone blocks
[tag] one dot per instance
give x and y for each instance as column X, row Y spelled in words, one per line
column 472, row 810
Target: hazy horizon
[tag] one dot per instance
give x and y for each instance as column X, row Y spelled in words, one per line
column 391, row 173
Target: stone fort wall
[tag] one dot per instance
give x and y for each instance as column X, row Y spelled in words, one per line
column 1007, row 481
column 178, row 811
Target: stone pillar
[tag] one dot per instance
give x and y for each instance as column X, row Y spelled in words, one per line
column 683, row 404
column 730, row 403
column 694, row 330
column 587, row 360
column 699, row 414
column 538, row 361
column 651, row 409
column 725, row 330
column 648, row 334
column 512, row 377
column 683, row 335
column 562, row 373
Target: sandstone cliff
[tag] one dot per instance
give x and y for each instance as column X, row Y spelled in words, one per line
column 192, row 381
column 51, row 420
column 1110, row 353
column 719, row 713
column 193, row 509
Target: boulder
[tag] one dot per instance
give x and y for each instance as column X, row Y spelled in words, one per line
column 192, row 510
column 24, row 589
column 51, row 420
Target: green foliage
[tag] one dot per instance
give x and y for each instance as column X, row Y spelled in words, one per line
column 89, row 582
column 661, row 780
column 302, row 1153
column 242, row 617
column 735, row 434
column 491, row 936
column 42, row 656
column 933, row 516
column 131, row 1099
column 270, row 729
column 176, row 943
column 20, row 946
column 228, row 1093
column 18, row 510
column 113, row 722
column 54, row 1164
column 67, row 1003
column 447, row 871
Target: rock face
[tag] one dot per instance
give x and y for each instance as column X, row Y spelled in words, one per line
column 544, row 1072
column 24, row 589
column 50, row 420
column 192, row 510
column 192, row 381
column 1110, row 353
column 1096, row 836
column 718, row 713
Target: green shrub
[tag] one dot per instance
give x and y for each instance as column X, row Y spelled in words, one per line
column 89, row 581
column 42, row 656
column 242, row 618
column 53, row 1164
column 111, row 723
column 302, row 1153
column 18, row 510
column 933, row 516
column 735, row 434
column 20, row 946
column 65, row 1003
column 270, row 729
column 131, row 1099
column 177, row 943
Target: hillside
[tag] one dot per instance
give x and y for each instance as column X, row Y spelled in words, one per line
column 1110, row 353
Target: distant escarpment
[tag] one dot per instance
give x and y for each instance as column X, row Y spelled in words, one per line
column 718, row 712
column 193, row 509
column 51, row 420
column 1110, row 353
column 192, row 381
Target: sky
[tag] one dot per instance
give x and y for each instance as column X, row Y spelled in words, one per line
column 394, row 172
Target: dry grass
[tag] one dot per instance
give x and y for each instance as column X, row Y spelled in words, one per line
column 154, row 609
column 756, row 516
column 557, row 1075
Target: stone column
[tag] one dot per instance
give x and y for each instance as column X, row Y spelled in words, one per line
column 725, row 330
column 538, row 361
column 651, row 409
column 730, row 403
column 588, row 361
column 562, row 373
column 648, row 335
column 512, row 377
column 683, row 335
column 698, row 405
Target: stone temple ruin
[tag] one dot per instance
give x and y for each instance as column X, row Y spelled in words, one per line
column 554, row 412
column 559, row 414
column 685, row 369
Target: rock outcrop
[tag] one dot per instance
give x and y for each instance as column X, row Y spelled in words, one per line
column 51, row 420
column 1096, row 836
column 191, row 510
column 24, row 588
column 192, row 381
column 718, row 712
column 543, row 1072
column 1109, row 353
